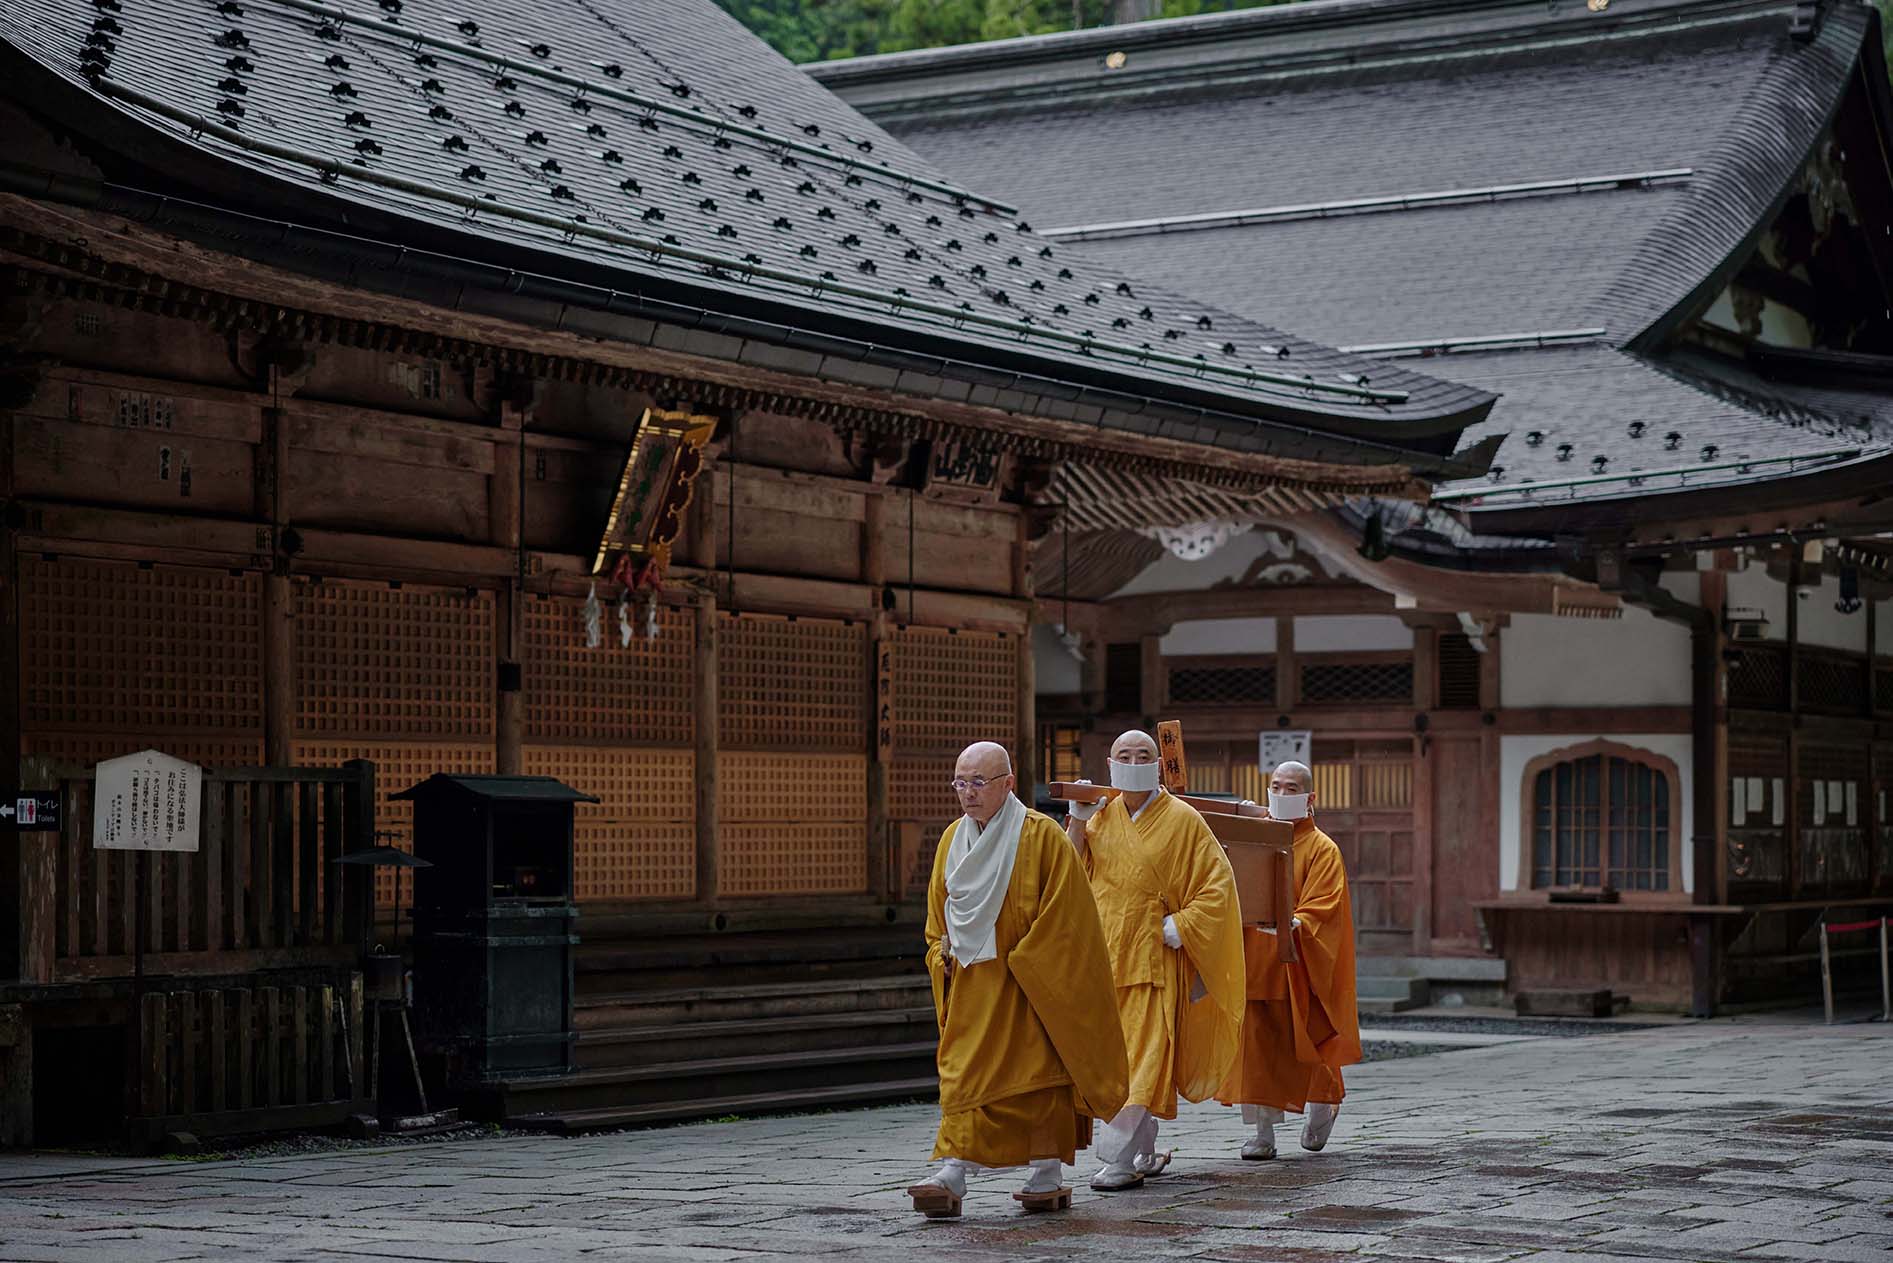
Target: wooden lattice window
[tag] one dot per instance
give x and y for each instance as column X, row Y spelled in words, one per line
column 377, row 662
column 1341, row 683
column 1602, row 815
column 1059, row 752
column 1458, row 672
column 1758, row 678
column 1833, row 683
column 788, row 684
column 1201, row 682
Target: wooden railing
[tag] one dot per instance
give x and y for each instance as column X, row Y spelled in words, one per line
column 261, row 892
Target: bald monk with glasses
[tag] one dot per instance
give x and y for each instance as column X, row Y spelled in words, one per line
column 1030, row 1046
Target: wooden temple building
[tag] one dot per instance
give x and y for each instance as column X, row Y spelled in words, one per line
column 1617, row 712
column 398, row 388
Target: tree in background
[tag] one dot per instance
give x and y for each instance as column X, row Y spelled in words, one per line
column 820, row 30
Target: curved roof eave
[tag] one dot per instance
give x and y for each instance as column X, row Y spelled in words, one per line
column 1362, row 430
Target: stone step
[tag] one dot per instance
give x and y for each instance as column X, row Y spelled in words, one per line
column 686, row 1041
column 605, row 1118
column 1389, row 995
column 665, row 963
column 1463, row 969
column 754, row 1000
column 699, row 1079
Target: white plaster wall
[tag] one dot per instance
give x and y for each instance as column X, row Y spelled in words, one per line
column 1516, row 752
column 1636, row 660
column 1819, row 623
column 1684, row 585
column 1883, row 628
column 1752, row 589
column 1337, row 633
column 1054, row 670
column 1170, row 573
column 1220, row 635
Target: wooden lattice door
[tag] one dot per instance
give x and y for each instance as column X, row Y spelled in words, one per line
column 792, row 777
column 619, row 722
column 951, row 688
column 1364, row 801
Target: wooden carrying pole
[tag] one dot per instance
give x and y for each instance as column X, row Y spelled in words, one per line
column 1261, row 851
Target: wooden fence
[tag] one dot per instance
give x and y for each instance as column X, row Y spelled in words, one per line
column 261, row 891
column 248, row 1014
column 251, row 1057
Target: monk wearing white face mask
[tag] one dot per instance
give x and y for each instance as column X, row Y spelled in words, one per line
column 1300, row 1026
column 1167, row 898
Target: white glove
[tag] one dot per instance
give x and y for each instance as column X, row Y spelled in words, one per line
column 1171, row 939
column 1294, row 923
column 1084, row 811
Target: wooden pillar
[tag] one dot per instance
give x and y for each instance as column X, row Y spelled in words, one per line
column 1025, row 765
column 279, row 595
column 13, row 913
column 1792, row 777
column 1425, row 696
column 1425, row 668
column 1151, row 676
column 1709, row 760
column 1490, row 788
column 703, row 534
column 883, row 874
column 1287, row 673
column 1714, row 597
column 1091, row 675
column 505, row 516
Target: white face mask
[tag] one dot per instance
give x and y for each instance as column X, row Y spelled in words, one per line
column 1287, row 806
column 1134, row 778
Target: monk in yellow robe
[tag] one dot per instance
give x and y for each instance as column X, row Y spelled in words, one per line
column 1301, row 1025
column 1030, row 1049
column 1167, row 898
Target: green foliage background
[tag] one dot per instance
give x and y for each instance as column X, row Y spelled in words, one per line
column 819, row 30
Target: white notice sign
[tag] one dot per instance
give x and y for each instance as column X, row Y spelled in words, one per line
column 146, row 802
column 1284, row 747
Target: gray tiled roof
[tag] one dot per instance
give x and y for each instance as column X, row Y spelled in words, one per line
column 1309, row 105
column 664, row 148
column 1590, row 397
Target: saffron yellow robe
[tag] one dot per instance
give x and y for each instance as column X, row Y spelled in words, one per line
column 1030, row 1050
column 1181, row 1010
column 1302, row 1023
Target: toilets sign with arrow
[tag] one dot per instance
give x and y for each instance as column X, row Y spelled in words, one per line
column 29, row 810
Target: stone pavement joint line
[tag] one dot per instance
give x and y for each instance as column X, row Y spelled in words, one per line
column 1717, row 1142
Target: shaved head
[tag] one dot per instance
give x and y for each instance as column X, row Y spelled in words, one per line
column 983, row 758
column 1291, row 778
column 1135, row 746
column 981, row 779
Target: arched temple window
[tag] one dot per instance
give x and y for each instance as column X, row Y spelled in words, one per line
column 1602, row 814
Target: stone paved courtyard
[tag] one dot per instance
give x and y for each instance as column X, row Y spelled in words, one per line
column 1717, row 1141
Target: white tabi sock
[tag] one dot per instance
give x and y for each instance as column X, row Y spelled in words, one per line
column 1048, row 1175
column 952, row 1175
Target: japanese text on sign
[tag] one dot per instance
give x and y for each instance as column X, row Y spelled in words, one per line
column 147, row 802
